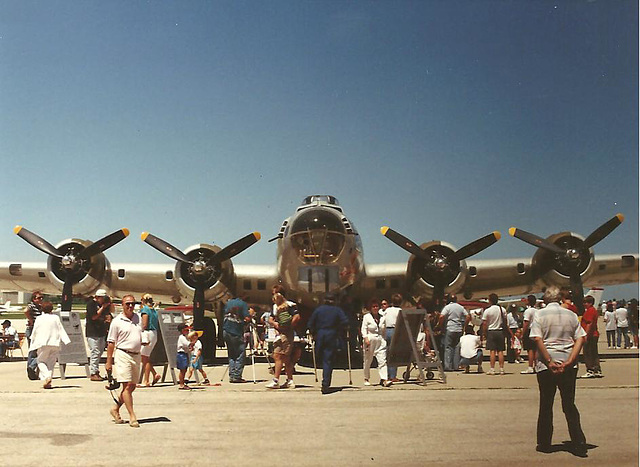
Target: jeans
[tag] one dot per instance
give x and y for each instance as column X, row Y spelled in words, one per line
column 32, row 356
column 235, row 350
column 96, row 346
column 611, row 338
column 469, row 361
column 452, row 350
column 392, row 371
column 566, row 383
column 624, row 332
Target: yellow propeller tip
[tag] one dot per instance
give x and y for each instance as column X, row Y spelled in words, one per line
column 144, row 236
column 125, row 231
column 497, row 234
column 512, row 231
column 383, row 230
column 17, row 229
column 620, row 217
column 257, row 235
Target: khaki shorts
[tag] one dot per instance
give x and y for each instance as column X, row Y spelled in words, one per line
column 126, row 366
column 283, row 344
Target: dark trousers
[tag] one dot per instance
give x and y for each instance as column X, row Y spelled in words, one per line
column 326, row 346
column 591, row 359
column 566, row 383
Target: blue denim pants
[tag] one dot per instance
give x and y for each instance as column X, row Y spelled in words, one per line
column 235, row 350
column 392, row 371
column 452, row 350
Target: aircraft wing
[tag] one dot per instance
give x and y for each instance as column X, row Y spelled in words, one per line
column 505, row 277
column 138, row 278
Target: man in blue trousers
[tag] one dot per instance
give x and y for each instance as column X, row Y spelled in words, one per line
column 325, row 324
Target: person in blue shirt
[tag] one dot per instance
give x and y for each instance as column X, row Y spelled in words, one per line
column 236, row 313
column 325, row 324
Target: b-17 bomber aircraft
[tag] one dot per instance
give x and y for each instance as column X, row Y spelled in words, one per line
column 318, row 251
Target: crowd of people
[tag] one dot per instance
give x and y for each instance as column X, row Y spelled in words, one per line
column 458, row 336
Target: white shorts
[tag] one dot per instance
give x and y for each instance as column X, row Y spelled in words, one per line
column 152, row 338
column 126, row 366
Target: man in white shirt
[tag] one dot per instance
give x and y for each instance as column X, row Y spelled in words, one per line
column 492, row 320
column 123, row 354
column 11, row 339
column 622, row 322
column 453, row 319
column 610, row 325
column 470, row 349
column 559, row 338
column 389, row 323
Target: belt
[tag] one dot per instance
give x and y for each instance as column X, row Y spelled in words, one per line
column 128, row 351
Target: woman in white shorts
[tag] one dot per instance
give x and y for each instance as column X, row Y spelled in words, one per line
column 150, row 326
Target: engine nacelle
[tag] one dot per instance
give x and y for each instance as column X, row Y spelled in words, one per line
column 87, row 275
column 217, row 278
column 442, row 265
column 551, row 269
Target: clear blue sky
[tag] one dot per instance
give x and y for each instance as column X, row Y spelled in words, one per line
column 204, row 121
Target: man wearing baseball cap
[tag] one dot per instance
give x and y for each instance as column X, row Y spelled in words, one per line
column 97, row 308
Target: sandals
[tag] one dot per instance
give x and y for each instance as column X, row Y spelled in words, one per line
column 185, row 388
column 116, row 417
column 156, row 378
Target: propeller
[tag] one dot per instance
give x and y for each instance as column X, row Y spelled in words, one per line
column 441, row 264
column 73, row 260
column 571, row 256
column 201, row 267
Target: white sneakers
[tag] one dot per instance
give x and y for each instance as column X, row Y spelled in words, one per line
column 528, row 371
column 367, row 383
column 491, row 372
column 288, row 384
column 273, row 385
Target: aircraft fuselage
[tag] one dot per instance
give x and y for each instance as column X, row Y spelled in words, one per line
column 319, row 251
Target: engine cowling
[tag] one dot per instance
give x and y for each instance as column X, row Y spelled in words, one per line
column 87, row 274
column 553, row 269
column 442, row 265
column 217, row 278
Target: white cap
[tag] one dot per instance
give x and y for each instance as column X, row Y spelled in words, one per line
column 101, row 293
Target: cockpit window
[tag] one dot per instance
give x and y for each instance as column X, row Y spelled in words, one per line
column 318, row 236
column 322, row 198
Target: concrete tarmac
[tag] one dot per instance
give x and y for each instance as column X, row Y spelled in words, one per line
column 473, row 419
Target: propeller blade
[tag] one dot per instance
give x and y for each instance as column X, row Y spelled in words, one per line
column 164, row 247
column 604, row 230
column 403, row 242
column 534, row 240
column 577, row 291
column 198, row 308
column 478, row 245
column 36, row 241
column 67, row 293
column 104, row 243
column 236, row 247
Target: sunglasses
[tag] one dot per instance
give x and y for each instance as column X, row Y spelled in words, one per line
column 130, row 304
column 37, row 298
